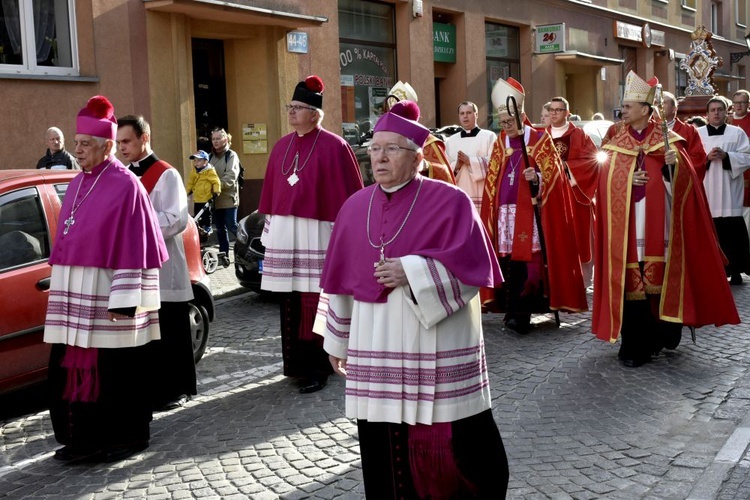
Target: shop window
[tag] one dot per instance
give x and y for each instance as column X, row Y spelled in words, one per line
column 367, row 59
column 37, row 37
column 502, row 51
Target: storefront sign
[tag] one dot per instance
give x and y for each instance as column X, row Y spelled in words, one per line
column 549, row 38
column 296, row 41
column 444, row 42
column 641, row 34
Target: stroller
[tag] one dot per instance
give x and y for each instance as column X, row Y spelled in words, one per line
column 209, row 255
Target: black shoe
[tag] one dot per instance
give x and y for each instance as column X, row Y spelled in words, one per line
column 224, row 261
column 312, row 385
column 736, row 279
column 71, row 455
column 634, row 362
column 172, row 405
column 122, row 452
column 518, row 326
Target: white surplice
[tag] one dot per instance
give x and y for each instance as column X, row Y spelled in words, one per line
column 411, row 361
column 724, row 188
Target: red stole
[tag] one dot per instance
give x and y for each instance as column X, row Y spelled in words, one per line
column 153, row 174
column 578, row 152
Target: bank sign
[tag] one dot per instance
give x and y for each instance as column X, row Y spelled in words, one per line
column 549, row 38
column 444, row 42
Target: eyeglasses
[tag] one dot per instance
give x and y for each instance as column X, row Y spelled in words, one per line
column 557, row 110
column 740, row 102
column 297, row 107
column 507, row 123
column 390, row 150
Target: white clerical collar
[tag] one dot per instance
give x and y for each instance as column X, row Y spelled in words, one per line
column 736, row 117
column 670, row 123
column 395, row 188
column 136, row 164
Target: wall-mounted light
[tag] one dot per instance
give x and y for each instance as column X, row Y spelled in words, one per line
column 735, row 57
column 417, row 8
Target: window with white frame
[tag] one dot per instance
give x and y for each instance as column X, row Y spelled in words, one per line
column 716, row 18
column 690, row 4
column 37, row 37
column 740, row 13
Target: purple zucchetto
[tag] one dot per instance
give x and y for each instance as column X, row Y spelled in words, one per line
column 97, row 119
column 402, row 119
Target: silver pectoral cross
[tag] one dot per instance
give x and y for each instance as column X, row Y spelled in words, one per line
column 292, row 179
column 382, row 256
column 68, row 222
column 512, row 176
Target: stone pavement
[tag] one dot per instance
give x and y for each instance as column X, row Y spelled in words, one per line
column 576, row 423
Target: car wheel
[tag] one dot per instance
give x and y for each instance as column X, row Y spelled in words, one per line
column 210, row 260
column 199, row 327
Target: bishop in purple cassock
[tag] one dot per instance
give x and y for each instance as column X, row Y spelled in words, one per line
column 401, row 317
column 103, row 301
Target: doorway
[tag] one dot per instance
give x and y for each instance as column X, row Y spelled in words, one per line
column 209, row 89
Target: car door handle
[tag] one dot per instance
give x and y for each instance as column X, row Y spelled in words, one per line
column 43, row 284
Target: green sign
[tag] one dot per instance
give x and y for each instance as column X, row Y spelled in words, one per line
column 549, row 38
column 444, row 42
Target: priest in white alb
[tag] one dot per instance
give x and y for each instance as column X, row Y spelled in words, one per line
column 402, row 323
column 728, row 157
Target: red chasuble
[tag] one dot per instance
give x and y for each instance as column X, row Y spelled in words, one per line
column 563, row 274
column 691, row 278
column 434, row 154
column 695, row 149
column 578, row 152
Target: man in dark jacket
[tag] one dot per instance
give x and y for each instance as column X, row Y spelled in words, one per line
column 57, row 158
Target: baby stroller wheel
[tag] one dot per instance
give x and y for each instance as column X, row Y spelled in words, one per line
column 210, row 260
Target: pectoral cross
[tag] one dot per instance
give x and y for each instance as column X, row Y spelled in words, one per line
column 292, row 179
column 382, row 256
column 68, row 222
column 512, row 176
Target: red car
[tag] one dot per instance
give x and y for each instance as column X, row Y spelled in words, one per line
column 30, row 202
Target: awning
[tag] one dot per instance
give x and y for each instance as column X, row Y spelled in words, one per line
column 234, row 12
column 583, row 59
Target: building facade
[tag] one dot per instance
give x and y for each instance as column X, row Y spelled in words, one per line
column 191, row 65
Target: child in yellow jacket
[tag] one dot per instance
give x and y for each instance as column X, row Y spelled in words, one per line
column 204, row 184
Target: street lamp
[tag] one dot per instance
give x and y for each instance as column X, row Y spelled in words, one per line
column 736, row 56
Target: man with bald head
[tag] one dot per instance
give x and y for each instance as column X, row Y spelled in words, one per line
column 57, row 158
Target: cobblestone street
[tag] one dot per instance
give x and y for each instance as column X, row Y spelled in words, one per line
column 575, row 422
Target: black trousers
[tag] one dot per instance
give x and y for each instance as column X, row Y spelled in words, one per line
column 172, row 359
column 734, row 242
column 302, row 350
column 643, row 333
column 477, row 449
column 122, row 413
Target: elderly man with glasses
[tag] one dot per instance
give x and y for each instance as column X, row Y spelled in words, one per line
column 536, row 279
column 310, row 173
column 403, row 325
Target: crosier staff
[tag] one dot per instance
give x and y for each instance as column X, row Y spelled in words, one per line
column 512, row 106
